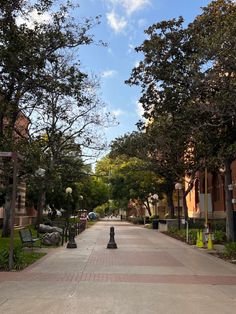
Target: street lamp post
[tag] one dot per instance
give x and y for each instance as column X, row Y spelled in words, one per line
column 81, row 199
column 178, row 187
column 83, row 215
column 71, row 243
column 155, row 199
column 68, row 199
column 40, row 173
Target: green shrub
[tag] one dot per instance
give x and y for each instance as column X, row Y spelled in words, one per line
column 179, row 234
column 196, row 224
column 230, row 250
column 172, row 230
column 219, row 236
column 21, row 259
column 18, row 258
column 74, row 220
column 151, row 218
column 219, row 225
column 139, row 220
column 192, row 236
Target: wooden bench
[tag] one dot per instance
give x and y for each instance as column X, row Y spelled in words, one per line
column 27, row 238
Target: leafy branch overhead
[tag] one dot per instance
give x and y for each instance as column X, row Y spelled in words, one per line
column 50, row 109
column 187, row 79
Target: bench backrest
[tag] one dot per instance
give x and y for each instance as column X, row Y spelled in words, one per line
column 26, row 235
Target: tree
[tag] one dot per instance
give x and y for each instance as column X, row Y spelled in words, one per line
column 168, row 76
column 214, row 40
column 129, row 178
column 145, row 146
column 180, row 78
column 27, row 52
column 38, row 71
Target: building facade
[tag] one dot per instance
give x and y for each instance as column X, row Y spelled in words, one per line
column 23, row 215
column 212, row 200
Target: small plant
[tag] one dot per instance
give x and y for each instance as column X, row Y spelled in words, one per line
column 172, row 230
column 18, row 258
column 192, row 236
column 230, row 250
column 4, row 256
column 219, row 236
column 196, row 224
column 21, row 259
column 151, row 218
column 219, row 225
column 176, row 233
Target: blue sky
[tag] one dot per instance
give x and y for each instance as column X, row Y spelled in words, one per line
column 122, row 26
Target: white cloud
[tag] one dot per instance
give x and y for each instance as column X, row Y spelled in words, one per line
column 110, row 51
column 136, row 64
column 130, row 6
column 117, row 23
column 139, row 109
column 131, row 48
column 108, row 73
column 142, row 23
column 118, row 112
column 33, row 17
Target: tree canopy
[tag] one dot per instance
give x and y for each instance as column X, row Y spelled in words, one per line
column 50, row 110
column 187, row 80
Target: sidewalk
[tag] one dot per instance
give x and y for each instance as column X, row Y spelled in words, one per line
column 148, row 273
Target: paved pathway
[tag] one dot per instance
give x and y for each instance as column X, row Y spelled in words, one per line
column 148, row 273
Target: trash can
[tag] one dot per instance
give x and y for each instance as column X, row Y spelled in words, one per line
column 155, row 224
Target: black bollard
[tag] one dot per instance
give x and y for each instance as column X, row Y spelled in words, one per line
column 72, row 244
column 112, row 244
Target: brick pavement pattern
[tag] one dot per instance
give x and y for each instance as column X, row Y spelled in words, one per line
column 148, row 273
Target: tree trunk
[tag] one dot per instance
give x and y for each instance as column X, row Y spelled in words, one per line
column 230, row 232
column 170, row 203
column 6, row 230
column 41, row 204
column 148, row 208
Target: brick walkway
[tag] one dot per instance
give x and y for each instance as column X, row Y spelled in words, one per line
column 145, row 259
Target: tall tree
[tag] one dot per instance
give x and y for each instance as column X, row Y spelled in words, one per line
column 215, row 47
column 129, row 178
column 167, row 76
column 38, row 69
column 180, row 77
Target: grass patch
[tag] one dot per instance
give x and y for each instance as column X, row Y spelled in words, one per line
column 90, row 223
column 21, row 258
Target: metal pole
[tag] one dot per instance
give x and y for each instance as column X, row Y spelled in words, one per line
column 187, row 228
column 13, row 205
column 178, row 211
column 206, row 200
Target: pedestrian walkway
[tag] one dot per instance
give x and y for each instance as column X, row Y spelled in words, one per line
column 148, row 273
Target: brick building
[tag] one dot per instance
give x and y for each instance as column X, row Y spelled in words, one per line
column 23, row 215
column 215, row 195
